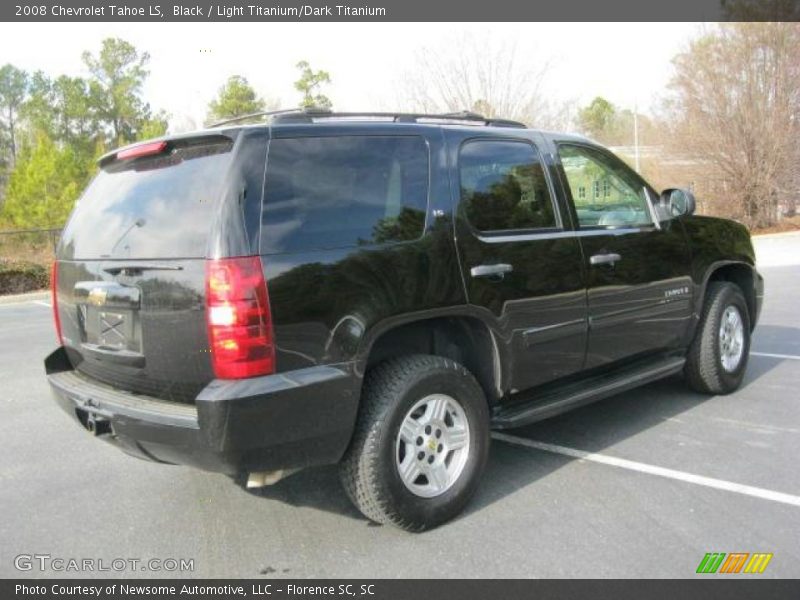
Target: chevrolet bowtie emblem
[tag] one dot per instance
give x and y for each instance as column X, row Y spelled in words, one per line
column 97, row 296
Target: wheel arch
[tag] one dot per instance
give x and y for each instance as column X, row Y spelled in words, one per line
column 462, row 336
column 741, row 274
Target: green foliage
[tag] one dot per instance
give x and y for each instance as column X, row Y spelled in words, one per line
column 153, row 128
column 597, row 118
column 234, row 99
column 44, row 185
column 118, row 74
column 309, row 85
column 609, row 125
column 17, row 277
column 65, row 110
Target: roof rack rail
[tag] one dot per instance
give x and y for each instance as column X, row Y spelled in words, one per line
column 309, row 115
column 264, row 113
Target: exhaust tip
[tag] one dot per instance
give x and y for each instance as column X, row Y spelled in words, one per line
column 258, row 479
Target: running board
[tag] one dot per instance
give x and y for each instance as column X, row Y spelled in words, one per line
column 561, row 401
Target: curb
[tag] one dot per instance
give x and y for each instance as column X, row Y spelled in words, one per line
column 27, row 297
column 766, row 236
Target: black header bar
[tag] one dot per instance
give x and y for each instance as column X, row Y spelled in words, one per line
column 265, row 11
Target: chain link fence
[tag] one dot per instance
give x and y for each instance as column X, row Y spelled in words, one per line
column 29, row 245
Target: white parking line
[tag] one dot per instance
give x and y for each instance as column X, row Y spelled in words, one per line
column 770, row 355
column 631, row 465
column 42, row 303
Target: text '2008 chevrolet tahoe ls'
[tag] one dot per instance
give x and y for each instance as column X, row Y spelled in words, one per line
column 380, row 291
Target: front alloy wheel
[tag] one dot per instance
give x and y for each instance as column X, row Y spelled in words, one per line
column 731, row 338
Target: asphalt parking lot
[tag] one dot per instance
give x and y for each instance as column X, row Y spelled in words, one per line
column 669, row 476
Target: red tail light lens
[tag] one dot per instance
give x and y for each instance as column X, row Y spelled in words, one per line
column 148, row 149
column 54, row 292
column 238, row 316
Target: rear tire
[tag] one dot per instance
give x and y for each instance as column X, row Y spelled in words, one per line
column 388, row 474
column 717, row 358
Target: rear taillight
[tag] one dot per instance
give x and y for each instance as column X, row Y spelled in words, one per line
column 238, row 316
column 54, row 292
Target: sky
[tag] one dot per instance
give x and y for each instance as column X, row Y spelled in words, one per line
column 627, row 63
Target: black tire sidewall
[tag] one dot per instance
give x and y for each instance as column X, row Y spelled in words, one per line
column 420, row 511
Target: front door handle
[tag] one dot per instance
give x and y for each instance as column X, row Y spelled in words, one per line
column 605, row 259
column 497, row 271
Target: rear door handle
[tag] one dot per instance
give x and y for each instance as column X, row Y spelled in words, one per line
column 605, row 259
column 498, row 270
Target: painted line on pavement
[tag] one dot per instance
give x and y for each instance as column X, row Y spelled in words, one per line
column 631, row 465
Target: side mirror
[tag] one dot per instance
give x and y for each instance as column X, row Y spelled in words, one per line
column 678, row 202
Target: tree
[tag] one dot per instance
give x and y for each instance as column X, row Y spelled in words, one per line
column 309, row 84
column 66, row 110
column 480, row 74
column 13, row 87
column 735, row 110
column 598, row 119
column 44, row 185
column 234, row 99
column 118, row 74
column 154, row 127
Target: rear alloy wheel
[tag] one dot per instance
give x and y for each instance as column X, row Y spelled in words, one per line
column 420, row 443
column 432, row 445
column 717, row 358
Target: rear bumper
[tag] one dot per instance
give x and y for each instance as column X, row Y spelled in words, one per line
column 290, row 420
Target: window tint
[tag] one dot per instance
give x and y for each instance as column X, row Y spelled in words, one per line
column 618, row 196
column 330, row 192
column 151, row 207
column 503, row 187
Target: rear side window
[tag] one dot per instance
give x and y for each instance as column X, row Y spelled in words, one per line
column 151, row 207
column 503, row 187
column 333, row 192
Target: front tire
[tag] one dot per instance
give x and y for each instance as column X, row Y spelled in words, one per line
column 420, row 444
column 718, row 355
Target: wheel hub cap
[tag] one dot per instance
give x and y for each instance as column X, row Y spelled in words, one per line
column 432, row 445
column 731, row 339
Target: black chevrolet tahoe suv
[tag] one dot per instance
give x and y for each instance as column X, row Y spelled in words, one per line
column 380, row 291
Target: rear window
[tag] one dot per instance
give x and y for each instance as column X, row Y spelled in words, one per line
column 333, row 192
column 151, row 207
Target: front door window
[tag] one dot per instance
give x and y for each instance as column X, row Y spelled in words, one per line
column 618, row 198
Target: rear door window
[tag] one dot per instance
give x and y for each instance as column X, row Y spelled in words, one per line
column 503, row 187
column 333, row 192
column 151, row 207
